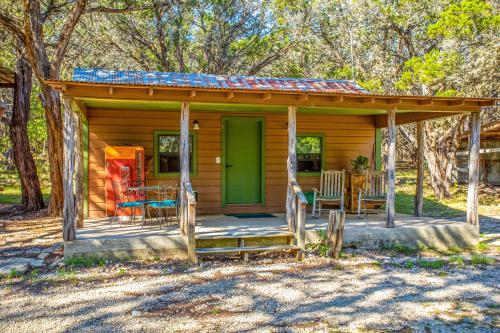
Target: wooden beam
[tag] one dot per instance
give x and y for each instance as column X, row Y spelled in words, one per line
column 419, row 192
column 368, row 100
column 456, row 102
column 192, row 93
column 110, row 90
column 474, row 144
column 151, row 91
column 410, row 117
column 266, row 96
column 69, row 205
column 230, row 95
column 184, row 163
column 391, row 168
column 291, row 166
column 428, row 101
column 337, row 99
column 302, row 97
column 394, row 101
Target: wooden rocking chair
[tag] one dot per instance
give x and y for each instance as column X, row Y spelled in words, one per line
column 374, row 192
column 331, row 191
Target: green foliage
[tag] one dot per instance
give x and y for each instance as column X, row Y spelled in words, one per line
column 432, row 264
column 409, row 264
column 430, row 70
column 401, row 248
column 323, row 246
column 360, row 164
column 479, row 259
column 465, row 19
column 483, row 247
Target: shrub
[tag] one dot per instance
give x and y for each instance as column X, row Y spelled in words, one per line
column 458, row 260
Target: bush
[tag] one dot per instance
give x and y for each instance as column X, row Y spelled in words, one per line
column 85, row 262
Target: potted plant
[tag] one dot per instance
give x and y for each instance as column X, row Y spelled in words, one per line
column 359, row 164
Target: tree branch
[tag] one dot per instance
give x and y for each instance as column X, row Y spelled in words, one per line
column 66, row 33
column 10, row 24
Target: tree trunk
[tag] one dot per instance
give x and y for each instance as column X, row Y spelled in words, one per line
column 18, row 133
column 291, row 167
column 52, row 105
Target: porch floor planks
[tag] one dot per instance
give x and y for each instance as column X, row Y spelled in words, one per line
column 222, row 226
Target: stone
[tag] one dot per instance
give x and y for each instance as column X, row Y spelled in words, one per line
column 43, row 255
column 34, row 250
column 136, row 313
column 18, row 267
column 53, row 248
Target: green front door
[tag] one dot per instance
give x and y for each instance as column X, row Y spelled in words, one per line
column 243, row 160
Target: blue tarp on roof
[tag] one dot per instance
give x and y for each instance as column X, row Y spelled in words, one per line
column 210, row 81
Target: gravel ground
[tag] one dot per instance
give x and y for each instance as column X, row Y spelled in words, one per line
column 363, row 292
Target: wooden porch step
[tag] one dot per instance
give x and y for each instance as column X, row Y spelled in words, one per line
column 246, row 236
column 211, row 250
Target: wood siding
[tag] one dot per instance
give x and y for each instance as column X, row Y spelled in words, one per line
column 345, row 137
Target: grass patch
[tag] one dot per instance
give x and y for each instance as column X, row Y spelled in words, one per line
column 483, row 247
column 478, row 259
column 409, row 265
column 457, row 260
column 85, row 262
column 401, row 248
column 11, row 194
column 431, row 264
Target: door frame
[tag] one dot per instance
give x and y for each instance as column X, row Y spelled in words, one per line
column 262, row 158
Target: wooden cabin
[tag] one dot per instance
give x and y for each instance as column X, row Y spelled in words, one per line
column 243, row 144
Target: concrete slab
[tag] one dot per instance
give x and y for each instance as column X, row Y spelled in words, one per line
column 100, row 238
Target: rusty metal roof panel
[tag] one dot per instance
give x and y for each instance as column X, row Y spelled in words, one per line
column 211, row 81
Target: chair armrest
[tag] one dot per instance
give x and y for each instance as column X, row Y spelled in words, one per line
column 316, row 190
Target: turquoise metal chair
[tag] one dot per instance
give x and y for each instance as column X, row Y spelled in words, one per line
column 122, row 201
column 166, row 203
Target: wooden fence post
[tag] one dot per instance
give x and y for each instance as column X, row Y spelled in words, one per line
column 291, row 167
column 474, row 145
column 69, row 205
column 419, row 192
column 391, row 168
column 184, row 161
column 335, row 232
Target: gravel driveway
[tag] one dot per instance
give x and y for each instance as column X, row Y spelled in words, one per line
column 364, row 292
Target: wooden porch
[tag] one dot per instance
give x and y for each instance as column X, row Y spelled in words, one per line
column 132, row 240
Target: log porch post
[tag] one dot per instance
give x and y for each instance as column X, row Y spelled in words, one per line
column 184, row 161
column 391, row 166
column 291, row 167
column 73, row 172
column 474, row 143
column 419, row 192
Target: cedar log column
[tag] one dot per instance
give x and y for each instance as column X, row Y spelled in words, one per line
column 391, row 168
column 72, row 173
column 291, row 166
column 184, row 161
column 419, row 192
column 474, row 143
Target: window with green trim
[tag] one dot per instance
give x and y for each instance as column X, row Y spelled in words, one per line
column 310, row 153
column 167, row 161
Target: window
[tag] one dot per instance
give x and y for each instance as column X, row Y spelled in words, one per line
column 167, row 145
column 310, row 153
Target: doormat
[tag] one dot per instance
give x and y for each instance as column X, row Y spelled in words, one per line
column 251, row 216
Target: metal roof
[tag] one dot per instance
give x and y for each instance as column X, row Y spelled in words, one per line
column 210, row 81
